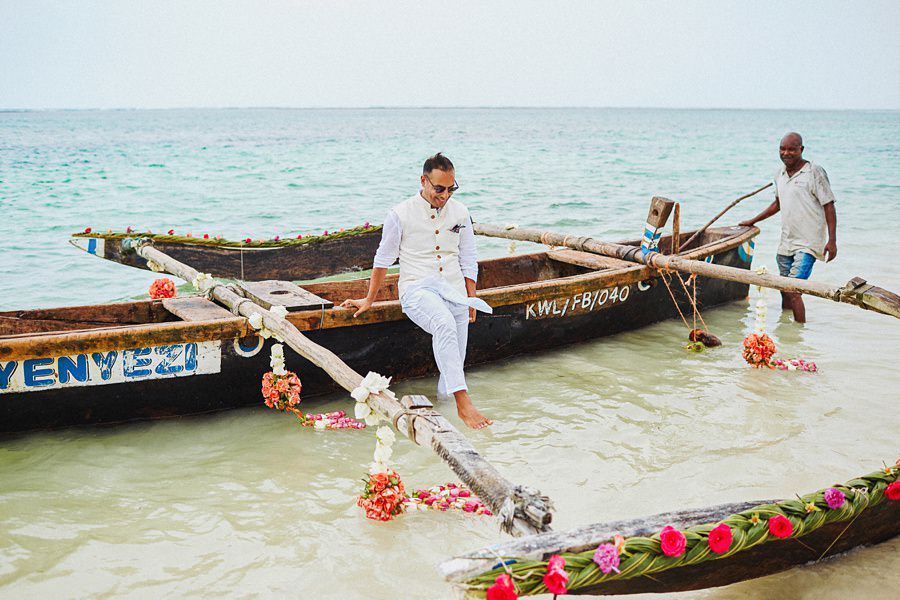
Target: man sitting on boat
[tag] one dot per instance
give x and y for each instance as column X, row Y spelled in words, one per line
column 804, row 197
column 432, row 235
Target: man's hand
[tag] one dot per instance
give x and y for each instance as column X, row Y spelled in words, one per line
column 362, row 304
column 472, row 313
column 830, row 250
column 747, row 223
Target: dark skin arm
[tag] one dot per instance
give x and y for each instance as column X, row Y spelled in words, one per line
column 768, row 212
column 831, row 221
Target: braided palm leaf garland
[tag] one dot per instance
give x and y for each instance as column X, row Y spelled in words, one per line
column 643, row 555
column 183, row 239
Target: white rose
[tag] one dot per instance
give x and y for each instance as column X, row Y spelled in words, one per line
column 321, row 424
column 360, row 394
column 256, row 321
column 278, row 311
column 385, row 435
column 382, row 453
column 362, row 410
column 372, row 419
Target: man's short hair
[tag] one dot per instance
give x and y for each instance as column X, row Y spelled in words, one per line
column 439, row 162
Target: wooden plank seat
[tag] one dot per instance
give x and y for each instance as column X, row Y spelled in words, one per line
column 274, row 292
column 196, row 308
column 595, row 262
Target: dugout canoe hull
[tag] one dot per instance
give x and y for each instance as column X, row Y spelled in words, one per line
column 342, row 252
column 130, row 361
column 872, row 526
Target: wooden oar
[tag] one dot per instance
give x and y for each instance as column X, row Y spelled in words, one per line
column 523, row 510
column 856, row 291
column 725, row 210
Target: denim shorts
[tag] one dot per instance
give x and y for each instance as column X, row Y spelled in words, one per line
column 798, row 266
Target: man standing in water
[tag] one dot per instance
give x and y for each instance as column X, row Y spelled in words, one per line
column 803, row 195
column 432, row 236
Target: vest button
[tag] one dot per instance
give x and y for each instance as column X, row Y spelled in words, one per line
column 437, row 247
column 432, row 216
column 437, row 231
column 440, row 268
column 439, row 257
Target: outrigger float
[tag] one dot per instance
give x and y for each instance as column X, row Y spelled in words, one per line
column 118, row 362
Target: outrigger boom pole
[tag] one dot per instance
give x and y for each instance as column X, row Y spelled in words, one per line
column 856, row 291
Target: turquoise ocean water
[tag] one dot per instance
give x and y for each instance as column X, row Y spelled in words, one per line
column 243, row 503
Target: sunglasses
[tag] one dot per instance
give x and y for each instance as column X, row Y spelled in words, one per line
column 440, row 189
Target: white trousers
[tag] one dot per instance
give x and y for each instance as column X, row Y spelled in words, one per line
column 448, row 324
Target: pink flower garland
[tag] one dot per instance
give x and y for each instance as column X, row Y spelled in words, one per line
column 556, row 577
column 450, row 496
column 503, row 589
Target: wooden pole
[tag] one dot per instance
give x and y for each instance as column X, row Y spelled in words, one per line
column 725, row 210
column 523, row 510
column 676, row 229
column 856, row 291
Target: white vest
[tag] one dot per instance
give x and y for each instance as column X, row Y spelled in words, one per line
column 428, row 244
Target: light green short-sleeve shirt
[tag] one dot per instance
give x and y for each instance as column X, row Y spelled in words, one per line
column 802, row 199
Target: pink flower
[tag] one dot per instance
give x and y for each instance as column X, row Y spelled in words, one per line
column 834, row 498
column 366, row 225
column 299, row 236
column 720, row 539
column 780, row 526
column 503, row 589
column 171, row 232
column 248, row 240
column 607, row 558
column 556, row 577
column 893, row 491
column 277, row 238
column 326, row 232
column 128, row 229
column 672, row 541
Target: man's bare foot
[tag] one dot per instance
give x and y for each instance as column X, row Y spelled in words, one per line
column 470, row 415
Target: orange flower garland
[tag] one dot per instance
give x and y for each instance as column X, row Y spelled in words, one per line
column 383, row 497
column 162, row 288
column 758, row 350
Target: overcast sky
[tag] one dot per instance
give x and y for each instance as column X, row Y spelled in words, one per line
column 341, row 53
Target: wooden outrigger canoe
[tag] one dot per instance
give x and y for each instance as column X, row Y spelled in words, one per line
column 296, row 259
column 867, row 515
column 152, row 359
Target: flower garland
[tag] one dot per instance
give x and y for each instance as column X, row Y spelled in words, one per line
column 281, row 391
column 640, row 556
column 383, row 496
column 218, row 240
column 759, row 348
column 372, row 383
column 162, row 288
column 449, row 496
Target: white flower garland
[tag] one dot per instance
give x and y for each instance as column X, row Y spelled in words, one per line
column 761, row 306
column 277, row 360
column 384, row 440
column 199, row 279
column 372, row 383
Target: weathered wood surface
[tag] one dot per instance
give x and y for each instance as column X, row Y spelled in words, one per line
column 430, row 430
column 306, row 261
column 862, row 295
column 282, row 293
column 196, row 308
column 874, row 525
column 734, row 203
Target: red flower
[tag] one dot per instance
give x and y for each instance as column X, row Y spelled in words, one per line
column 672, row 541
column 171, row 232
column 189, row 234
column 205, row 236
column 277, row 238
column 248, row 240
column 326, row 232
column 128, row 229
column 503, row 589
column 162, row 288
column 87, row 229
column 780, row 526
column 720, row 539
column 893, row 491
column 556, row 577
column 299, row 236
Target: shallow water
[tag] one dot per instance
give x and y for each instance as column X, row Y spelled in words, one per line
column 244, row 503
